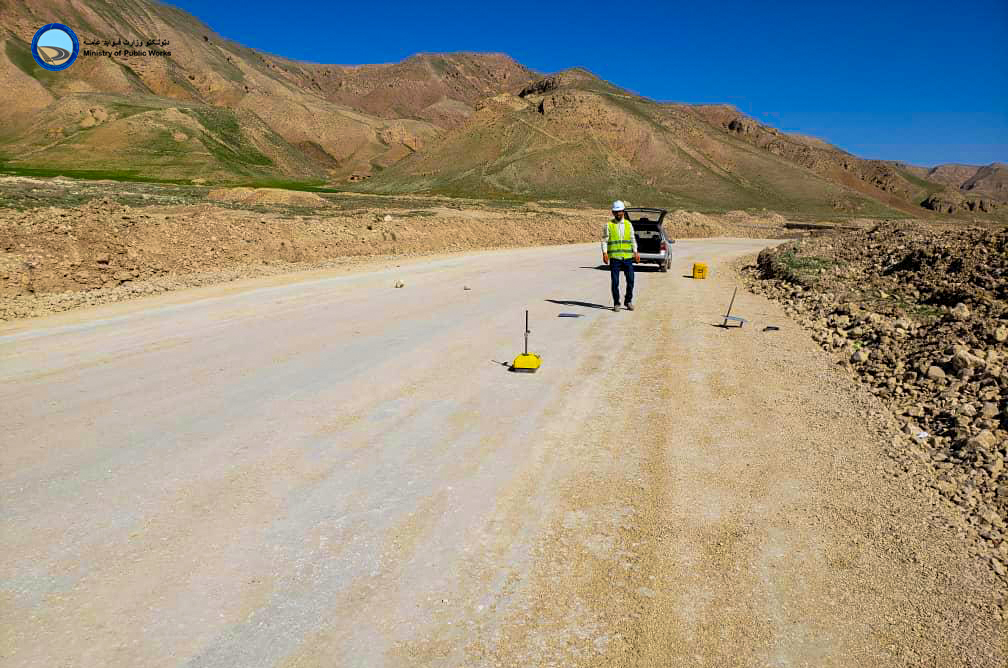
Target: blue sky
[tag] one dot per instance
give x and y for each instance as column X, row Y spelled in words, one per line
column 923, row 82
column 56, row 37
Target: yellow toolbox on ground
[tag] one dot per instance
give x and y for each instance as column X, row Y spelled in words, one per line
column 699, row 270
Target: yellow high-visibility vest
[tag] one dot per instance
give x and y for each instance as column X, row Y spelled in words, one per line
column 620, row 247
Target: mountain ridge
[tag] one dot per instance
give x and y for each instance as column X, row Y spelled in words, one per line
column 467, row 123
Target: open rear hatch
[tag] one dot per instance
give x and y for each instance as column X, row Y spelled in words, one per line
column 647, row 228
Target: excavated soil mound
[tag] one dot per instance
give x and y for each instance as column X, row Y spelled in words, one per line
column 690, row 224
column 266, row 196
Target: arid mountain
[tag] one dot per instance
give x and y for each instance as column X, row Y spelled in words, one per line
column 945, row 188
column 940, row 189
column 965, row 187
column 990, row 180
column 572, row 135
column 949, row 175
column 217, row 110
column 468, row 124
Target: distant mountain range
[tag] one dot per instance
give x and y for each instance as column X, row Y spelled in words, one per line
column 462, row 123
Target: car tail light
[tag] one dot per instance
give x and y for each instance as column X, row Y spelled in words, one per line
column 664, row 246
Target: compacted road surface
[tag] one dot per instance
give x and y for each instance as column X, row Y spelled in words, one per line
column 335, row 472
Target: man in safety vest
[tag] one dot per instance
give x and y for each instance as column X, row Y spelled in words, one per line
column 619, row 245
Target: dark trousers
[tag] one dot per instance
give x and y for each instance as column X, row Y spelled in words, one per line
column 615, row 267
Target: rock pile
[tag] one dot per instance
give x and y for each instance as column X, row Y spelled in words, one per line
column 921, row 315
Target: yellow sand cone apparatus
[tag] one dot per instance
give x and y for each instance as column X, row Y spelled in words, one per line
column 526, row 362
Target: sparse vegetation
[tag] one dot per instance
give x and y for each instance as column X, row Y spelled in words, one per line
column 20, row 54
column 89, row 174
column 788, row 264
column 926, row 187
column 225, row 140
column 804, row 263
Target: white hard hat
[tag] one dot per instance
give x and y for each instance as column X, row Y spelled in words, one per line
column 618, row 205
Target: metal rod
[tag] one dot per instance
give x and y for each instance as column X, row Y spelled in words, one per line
column 526, row 331
column 732, row 303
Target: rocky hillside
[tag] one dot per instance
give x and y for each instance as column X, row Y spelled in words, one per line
column 217, row 110
column 990, row 180
column 574, row 136
column 967, row 187
column 921, row 315
column 470, row 124
column 950, row 189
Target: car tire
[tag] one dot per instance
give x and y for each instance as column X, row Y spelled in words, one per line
column 664, row 267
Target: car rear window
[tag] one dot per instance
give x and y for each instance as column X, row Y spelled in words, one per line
column 644, row 219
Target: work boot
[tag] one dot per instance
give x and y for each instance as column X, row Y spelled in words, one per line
column 629, row 307
column 615, row 307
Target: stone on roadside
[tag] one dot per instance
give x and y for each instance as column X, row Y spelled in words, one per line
column 1001, row 334
column 400, row 284
column 985, row 440
column 935, row 373
column 963, row 360
column 860, row 356
column 960, row 311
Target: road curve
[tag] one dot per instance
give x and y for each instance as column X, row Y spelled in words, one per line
column 336, row 472
column 61, row 54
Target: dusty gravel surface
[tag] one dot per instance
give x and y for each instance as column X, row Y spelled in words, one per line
column 338, row 472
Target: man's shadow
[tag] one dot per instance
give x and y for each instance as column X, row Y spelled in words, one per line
column 571, row 302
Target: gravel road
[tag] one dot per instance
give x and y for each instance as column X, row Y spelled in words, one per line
column 335, row 472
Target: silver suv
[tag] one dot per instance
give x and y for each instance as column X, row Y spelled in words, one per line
column 653, row 245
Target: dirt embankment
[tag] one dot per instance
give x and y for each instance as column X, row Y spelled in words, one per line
column 58, row 258
column 266, row 196
column 921, row 315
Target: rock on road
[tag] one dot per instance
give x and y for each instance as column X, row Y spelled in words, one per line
column 335, row 472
